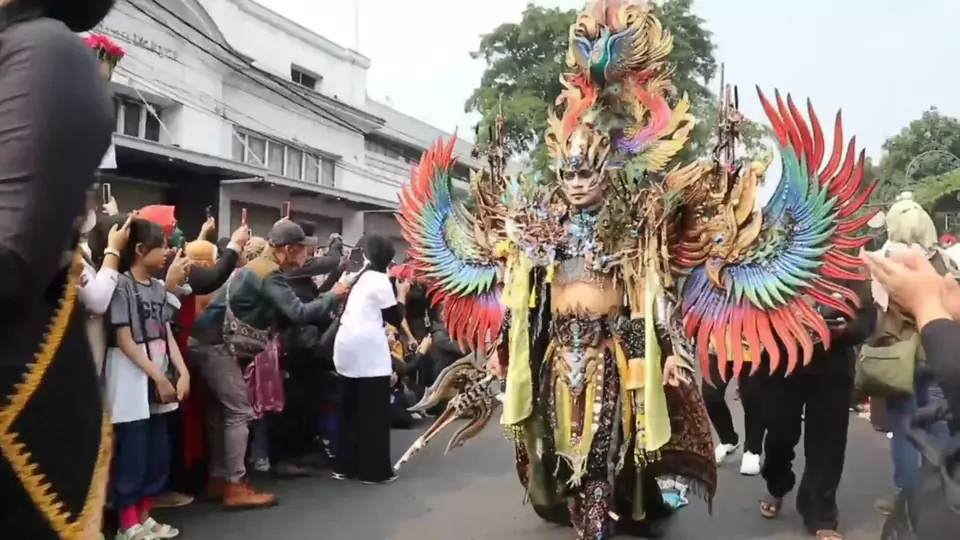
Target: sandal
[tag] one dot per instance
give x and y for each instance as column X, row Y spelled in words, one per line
column 160, row 530
column 770, row 508
column 828, row 534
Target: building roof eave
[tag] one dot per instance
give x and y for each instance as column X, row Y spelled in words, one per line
column 358, row 119
column 290, row 27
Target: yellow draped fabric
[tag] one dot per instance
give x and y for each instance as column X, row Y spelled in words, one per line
column 656, row 417
column 518, row 398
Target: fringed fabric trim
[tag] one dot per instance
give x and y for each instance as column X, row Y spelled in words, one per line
column 34, row 482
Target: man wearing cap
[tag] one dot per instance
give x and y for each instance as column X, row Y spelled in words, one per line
column 259, row 297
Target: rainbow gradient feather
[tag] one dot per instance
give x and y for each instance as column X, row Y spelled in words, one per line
column 767, row 296
column 445, row 253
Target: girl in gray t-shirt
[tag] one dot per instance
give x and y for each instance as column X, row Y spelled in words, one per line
column 145, row 379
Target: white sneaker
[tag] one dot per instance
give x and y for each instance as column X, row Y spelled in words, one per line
column 262, row 465
column 724, row 451
column 750, row 465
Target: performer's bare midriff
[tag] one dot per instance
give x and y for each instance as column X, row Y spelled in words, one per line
column 601, row 297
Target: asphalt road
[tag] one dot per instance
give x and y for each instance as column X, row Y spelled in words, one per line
column 473, row 493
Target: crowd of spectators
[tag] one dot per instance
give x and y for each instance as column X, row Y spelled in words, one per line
column 244, row 356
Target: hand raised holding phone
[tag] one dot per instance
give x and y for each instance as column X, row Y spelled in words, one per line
column 119, row 235
column 241, row 235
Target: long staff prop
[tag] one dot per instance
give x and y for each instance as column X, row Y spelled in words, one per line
column 473, row 394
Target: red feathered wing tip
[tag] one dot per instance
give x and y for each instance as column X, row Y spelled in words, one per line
column 100, row 41
column 417, row 198
column 842, row 176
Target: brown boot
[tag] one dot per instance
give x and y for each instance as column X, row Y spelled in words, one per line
column 240, row 496
column 215, row 489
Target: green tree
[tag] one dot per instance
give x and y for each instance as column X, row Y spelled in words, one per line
column 926, row 149
column 525, row 61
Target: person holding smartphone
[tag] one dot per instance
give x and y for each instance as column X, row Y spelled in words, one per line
column 362, row 357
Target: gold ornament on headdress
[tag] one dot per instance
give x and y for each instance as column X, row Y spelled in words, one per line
column 619, row 87
column 616, row 38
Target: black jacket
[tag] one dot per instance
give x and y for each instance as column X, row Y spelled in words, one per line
column 941, row 343
column 58, row 117
column 443, row 350
column 207, row 280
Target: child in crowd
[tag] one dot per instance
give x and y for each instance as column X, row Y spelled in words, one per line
column 145, row 379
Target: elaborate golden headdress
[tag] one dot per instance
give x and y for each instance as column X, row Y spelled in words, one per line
column 617, row 90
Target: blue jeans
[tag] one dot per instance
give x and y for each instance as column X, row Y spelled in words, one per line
column 900, row 410
column 259, row 440
column 141, row 460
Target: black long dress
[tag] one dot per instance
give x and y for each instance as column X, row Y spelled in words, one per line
column 56, row 118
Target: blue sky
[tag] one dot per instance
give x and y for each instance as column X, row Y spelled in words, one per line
column 882, row 63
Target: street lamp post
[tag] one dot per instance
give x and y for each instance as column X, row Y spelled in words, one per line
column 935, row 152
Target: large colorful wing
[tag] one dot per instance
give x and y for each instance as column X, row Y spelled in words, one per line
column 784, row 259
column 443, row 236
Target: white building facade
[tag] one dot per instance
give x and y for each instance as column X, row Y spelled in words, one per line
column 224, row 105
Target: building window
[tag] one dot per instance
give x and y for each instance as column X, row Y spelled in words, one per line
column 239, row 146
column 303, row 79
column 134, row 118
column 257, row 151
column 311, row 170
column 276, row 160
column 282, row 159
column 378, row 148
column 328, row 173
column 294, row 163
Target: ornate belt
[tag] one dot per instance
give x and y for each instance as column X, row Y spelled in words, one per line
column 577, row 358
column 580, row 331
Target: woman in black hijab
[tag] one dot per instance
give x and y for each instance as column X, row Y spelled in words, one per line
column 57, row 119
column 361, row 354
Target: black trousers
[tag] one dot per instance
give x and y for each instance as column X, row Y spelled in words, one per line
column 814, row 400
column 364, row 442
column 714, row 397
column 293, row 430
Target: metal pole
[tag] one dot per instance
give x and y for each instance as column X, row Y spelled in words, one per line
column 356, row 25
column 914, row 161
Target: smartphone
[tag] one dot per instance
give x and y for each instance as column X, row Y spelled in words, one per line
column 243, row 216
column 106, row 193
column 355, row 260
column 286, row 210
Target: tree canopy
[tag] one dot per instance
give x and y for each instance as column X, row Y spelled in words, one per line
column 525, row 61
column 923, row 152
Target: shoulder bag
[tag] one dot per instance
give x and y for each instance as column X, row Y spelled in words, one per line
column 329, row 336
column 888, row 370
column 243, row 341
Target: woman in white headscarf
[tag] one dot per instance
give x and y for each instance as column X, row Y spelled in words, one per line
column 909, row 226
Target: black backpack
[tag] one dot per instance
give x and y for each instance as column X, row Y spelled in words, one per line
column 931, row 509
